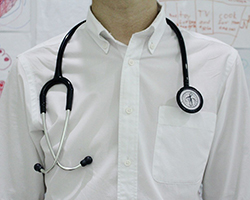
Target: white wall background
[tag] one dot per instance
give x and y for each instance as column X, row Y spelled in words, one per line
column 57, row 16
column 25, row 23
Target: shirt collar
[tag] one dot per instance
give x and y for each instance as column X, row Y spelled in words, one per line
column 157, row 29
column 101, row 36
column 97, row 31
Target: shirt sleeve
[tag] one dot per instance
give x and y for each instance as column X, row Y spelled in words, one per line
column 227, row 175
column 18, row 152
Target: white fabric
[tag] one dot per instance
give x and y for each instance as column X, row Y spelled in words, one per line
column 126, row 117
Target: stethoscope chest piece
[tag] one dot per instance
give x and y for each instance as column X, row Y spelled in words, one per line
column 189, row 99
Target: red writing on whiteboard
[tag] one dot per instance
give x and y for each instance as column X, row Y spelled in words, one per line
column 224, row 19
column 1, row 87
column 5, row 60
column 5, row 6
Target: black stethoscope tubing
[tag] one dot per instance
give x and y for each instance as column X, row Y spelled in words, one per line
column 58, row 77
column 186, row 88
column 188, row 98
column 183, row 52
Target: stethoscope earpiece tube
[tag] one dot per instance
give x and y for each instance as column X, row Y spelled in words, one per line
column 86, row 161
column 59, row 79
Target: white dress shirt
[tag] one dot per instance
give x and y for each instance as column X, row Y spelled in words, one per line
column 126, row 117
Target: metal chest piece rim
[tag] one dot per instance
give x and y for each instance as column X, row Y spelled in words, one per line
column 189, row 99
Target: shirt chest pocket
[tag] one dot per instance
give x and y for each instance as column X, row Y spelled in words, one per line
column 182, row 145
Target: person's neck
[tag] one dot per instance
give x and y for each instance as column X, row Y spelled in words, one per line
column 122, row 18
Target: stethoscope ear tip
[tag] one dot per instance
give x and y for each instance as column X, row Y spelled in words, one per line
column 86, row 161
column 38, row 167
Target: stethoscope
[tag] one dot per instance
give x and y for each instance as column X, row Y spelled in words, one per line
column 188, row 98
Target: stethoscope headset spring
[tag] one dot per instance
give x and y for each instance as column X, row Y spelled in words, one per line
column 188, row 98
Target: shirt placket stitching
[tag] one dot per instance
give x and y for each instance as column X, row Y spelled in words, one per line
column 129, row 120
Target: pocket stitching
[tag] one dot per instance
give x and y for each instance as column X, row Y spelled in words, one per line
column 155, row 167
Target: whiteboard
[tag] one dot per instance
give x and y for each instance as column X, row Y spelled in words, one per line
column 226, row 20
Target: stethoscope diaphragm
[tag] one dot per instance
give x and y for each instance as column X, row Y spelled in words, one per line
column 189, row 99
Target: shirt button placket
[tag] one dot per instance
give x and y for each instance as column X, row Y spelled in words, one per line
column 128, row 135
column 128, row 123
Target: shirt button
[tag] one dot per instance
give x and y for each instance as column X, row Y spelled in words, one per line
column 152, row 46
column 129, row 110
column 127, row 163
column 105, row 45
column 131, row 62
